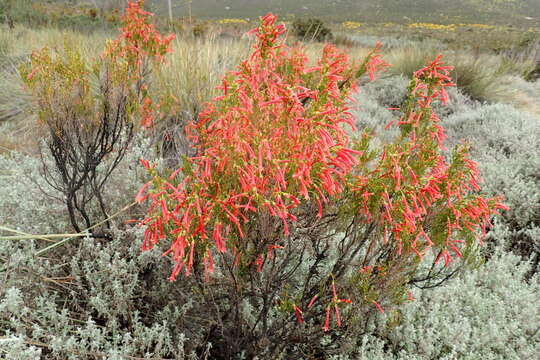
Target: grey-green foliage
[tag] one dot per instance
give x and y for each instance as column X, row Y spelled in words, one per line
column 24, row 204
column 28, row 203
column 371, row 114
column 371, row 106
column 91, row 300
column 388, row 91
column 506, row 145
column 15, row 347
column 88, row 298
column 488, row 313
column 374, row 99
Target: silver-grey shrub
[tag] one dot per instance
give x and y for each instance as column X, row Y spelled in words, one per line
column 87, row 299
column 92, row 300
column 505, row 142
column 24, row 204
column 488, row 313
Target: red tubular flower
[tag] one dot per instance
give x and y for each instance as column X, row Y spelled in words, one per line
column 338, row 316
column 298, row 313
column 312, row 301
column 378, row 307
column 375, row 64
column 326, row 326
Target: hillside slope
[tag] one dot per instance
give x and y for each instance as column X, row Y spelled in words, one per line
column 518, row 12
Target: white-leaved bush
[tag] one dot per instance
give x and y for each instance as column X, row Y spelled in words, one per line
column 23, row 201
column 88, row 298
column 486, row 313
column 505, row 143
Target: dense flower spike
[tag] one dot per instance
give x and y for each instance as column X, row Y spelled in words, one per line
column 374, row 63
column 138, row 45
column 139, row 39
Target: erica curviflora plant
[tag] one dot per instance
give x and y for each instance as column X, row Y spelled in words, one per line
column 286, row 227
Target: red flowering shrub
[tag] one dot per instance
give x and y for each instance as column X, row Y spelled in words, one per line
column 281, row 215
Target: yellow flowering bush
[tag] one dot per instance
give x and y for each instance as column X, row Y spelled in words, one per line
column 430, row 26
column 351, row 25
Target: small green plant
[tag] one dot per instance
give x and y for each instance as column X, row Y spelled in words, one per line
column 93, row 13
column 90, row 110
column 199, row 30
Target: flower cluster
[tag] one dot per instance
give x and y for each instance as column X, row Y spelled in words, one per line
column 139, row 38
column 419, row 199
column 430, row 26
column 139, row 44
column 353, row 25
column 272, row 140
column 232, row 21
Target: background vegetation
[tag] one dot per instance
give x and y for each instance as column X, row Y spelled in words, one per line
column 402, row 11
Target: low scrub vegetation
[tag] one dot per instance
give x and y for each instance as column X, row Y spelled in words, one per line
column 282, row 212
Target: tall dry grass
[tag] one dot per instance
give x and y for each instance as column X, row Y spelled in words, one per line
column 195, row 67
column 524, row 59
